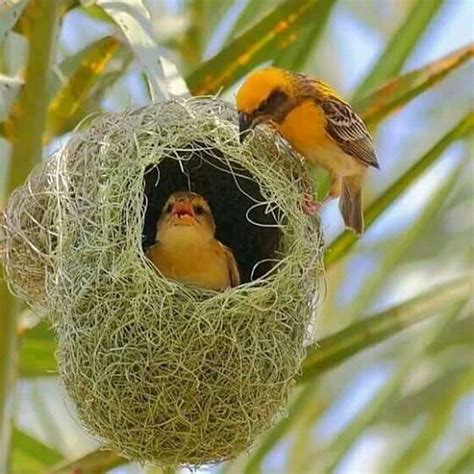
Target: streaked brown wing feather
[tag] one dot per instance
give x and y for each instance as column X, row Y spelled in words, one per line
column 349, row 131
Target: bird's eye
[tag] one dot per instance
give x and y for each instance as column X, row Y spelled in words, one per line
column 199, row 210
column 262, row 107
column 169, row 208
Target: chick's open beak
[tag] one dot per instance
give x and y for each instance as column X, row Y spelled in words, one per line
column 245, row 125
column 183, row 212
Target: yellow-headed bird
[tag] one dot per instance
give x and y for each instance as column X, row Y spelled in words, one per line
column 318, row 124
column 186, row 249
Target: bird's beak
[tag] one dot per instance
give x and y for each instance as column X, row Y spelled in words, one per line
column 183, row 212
column 245, row 125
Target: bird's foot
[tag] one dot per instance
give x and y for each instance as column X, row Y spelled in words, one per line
column 309, row 206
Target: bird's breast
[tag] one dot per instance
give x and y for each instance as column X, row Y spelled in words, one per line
column 305, row 128
column 203, row 265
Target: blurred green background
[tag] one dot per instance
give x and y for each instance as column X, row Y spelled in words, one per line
column 380, row 394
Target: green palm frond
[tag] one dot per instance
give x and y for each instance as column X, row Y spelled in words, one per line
column 400, row 46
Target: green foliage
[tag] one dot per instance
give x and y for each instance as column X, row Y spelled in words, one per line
column 338, row 347
column 24, row 128
column 401, row 90
column 84, row 75
column 389, row 390
column 400, row 45
column 269, row 37
column 426, row 337
column 297, row 55
column 37, row 352
column 30, row 455
column 25, row 125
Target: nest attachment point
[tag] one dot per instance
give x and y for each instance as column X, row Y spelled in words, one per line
column 158, row 370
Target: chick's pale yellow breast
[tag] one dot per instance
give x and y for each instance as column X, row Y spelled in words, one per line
column 203, row 265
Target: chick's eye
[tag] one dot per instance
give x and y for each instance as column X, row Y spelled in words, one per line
column 169, row 207
column 199, row 210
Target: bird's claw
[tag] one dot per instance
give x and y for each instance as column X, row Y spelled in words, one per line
column 309, row 206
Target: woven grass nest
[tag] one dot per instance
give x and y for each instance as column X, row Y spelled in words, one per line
column 158, row 370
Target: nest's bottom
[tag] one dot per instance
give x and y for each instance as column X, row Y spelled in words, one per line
column 243, row 225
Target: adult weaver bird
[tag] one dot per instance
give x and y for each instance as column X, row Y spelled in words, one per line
column 319, row 125
column 186, row 249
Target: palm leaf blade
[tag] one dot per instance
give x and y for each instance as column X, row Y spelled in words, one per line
column 390, row 389
column 254, row 46
column 403, row 89
column 434, row 426
column 296, row 56
column 400, row 45
column 336, row 348
column 30, row 455
column 67, row 102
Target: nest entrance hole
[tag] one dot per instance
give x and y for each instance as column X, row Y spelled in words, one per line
column 231, row 191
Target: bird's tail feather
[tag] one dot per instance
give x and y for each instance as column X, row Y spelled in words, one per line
column 350, row 204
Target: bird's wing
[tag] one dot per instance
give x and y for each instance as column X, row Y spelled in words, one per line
column 349, row 131
column 233, row 269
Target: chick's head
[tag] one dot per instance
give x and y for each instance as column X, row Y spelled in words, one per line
column 186, row 215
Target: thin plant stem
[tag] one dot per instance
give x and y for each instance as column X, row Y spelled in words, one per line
column 24, row 128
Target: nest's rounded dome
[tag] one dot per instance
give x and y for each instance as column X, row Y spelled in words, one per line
column 159, row 370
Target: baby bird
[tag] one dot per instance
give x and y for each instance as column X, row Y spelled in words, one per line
column 186, row 249
column 318, row 124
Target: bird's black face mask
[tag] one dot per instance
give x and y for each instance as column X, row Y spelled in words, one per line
column 245, row 125
column 274, row 108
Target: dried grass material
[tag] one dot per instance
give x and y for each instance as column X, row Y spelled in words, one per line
column 28, row 235
column 161, row 371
